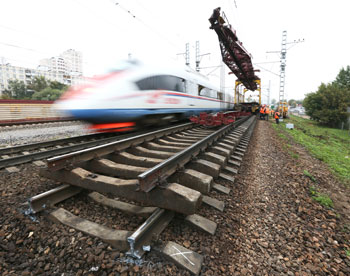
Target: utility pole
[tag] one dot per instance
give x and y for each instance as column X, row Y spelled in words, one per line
column 187, row 54
column 268, row 93
column 283, row 66
column 198, row 56
column 283, row 62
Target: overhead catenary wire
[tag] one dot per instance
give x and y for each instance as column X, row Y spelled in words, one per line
column 160, row 19
column 45, row 38
column 25, row 32
column 267, row 70
column 31, row 50
column 102, row 17
column 8, row 44
column 128, row 11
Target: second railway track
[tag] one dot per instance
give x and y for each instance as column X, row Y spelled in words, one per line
column 155, row 175
column 20, row 154
column 11, row 156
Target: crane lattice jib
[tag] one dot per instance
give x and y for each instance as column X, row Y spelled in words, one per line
column 233, row 53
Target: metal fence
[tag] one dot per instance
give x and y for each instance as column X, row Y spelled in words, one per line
column 27, row 110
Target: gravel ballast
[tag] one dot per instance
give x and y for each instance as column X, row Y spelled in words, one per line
column 270, row 225
column 31, row 133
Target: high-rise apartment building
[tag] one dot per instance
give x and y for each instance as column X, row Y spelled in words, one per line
column 69, row 63
column 74, row 61
column 65, row 68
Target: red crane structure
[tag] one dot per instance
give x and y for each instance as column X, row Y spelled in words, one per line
column 234, row 55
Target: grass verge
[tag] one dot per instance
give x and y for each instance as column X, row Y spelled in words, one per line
column 332, row 146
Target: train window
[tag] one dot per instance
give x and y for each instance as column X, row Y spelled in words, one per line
column 206, row 92
column 165, row 82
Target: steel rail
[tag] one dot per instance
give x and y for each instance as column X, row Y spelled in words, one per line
column 50, row 198
column 151, row 228
column 149, row 179
column 17, row 160
column 71, row 158
column 33, row 122
column 19, row 148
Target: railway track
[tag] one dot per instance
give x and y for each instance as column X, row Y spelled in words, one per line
column 12, row 156
column 17, row 155
column 154, row 175
column 34, row 122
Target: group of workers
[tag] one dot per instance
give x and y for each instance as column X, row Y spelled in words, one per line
column 265, row 111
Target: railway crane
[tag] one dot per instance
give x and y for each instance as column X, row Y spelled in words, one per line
column 234, row 55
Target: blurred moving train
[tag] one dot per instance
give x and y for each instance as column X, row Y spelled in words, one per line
column 137, row 94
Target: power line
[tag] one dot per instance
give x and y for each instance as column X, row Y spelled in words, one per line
column 159, row 19
column 19, row 47
column 267, row 70
column 265, row 62
column 35, row 51
column 145, row 24
column 103, row 17
column 24, row 32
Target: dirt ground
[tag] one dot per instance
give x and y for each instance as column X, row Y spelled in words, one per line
column 270, row 226
column 283, row 230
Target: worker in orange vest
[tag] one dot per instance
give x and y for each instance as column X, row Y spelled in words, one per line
column 267, row 112
column 272, row 113
column 277, row 117
column 262, row 112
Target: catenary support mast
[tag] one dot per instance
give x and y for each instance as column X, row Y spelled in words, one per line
column 281, row 97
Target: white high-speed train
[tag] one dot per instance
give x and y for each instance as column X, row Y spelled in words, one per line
column 135, row 94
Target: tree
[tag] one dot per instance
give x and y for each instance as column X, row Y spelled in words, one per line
column 17, row 89
column 328, row 105
column 6, row 94
column 38, row 84
column 343, row 78
column 58, row 85
column 292, row 103
column 48, row 94
column 299, row 101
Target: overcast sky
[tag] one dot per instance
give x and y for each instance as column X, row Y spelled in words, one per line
column 108, row 30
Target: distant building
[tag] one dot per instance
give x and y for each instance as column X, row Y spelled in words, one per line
column 10, row 72
column 65, row 68
column 74, row 62
column 68, row 63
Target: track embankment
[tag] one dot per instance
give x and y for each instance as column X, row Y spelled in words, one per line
column 283, row 231
column 270, row 226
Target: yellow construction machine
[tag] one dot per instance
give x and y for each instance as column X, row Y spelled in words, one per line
column 283, row 109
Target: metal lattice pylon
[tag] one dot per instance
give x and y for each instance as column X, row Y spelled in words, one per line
column 281, row 97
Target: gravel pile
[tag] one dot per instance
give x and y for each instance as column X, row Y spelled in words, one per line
column 270, row 225
column 24, row 134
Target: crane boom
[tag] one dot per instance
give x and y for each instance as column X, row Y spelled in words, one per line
column 234, row 55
